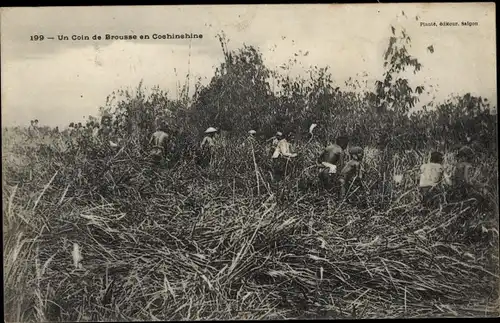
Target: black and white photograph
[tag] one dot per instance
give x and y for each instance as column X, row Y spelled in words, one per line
column 249, row 162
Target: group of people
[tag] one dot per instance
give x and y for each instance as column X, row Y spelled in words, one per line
column 96, row 130
column 340, row 167
column 460, row 185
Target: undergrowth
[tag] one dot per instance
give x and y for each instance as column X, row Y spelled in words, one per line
column 183, row 242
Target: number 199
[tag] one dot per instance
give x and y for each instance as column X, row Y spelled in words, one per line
column 37, row 38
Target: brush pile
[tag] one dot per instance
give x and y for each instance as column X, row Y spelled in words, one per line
column 225, row 242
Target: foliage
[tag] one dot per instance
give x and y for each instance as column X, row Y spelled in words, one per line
column 227, row 241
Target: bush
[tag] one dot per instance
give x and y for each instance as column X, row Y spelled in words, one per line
column 178, row 241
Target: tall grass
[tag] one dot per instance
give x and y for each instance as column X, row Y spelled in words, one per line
column 183, row 242
column 178, row 241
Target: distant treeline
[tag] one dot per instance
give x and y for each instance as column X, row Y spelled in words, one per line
column 239, row 98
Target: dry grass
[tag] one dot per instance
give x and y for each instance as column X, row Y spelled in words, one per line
column 225, row 242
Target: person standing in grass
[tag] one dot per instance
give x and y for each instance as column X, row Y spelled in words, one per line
column 276, row 138
column 431, row 175
column 274, row 141
column 462, row 176
column 159, row 140
column 106, row 119
column 105, row 129
column 283, row 148
column 464, row 184
column 281, row 155
column 332, row 159
column 251, row 149
column 208, row 141
column 250, row 140
column 207, row 146
column 33, row 128
column 107, row 134
column 350, row 176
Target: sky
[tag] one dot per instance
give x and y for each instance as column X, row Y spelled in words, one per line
column 62, row 81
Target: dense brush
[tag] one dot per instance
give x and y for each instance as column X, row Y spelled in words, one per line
column 226, row 242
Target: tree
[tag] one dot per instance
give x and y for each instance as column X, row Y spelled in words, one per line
column 394, row 92
column 238, row 96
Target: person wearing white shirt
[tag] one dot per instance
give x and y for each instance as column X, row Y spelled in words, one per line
column 282, row 154
column 431, row 175
column 283, row 149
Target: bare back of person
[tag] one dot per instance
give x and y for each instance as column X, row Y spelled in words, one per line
column 332, row 159
column 159, row 140
column 333, row 154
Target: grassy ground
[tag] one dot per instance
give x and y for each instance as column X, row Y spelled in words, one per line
column 225, row 243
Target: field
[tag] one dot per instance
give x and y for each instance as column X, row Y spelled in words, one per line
column 182, row 242
column 174, row 244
